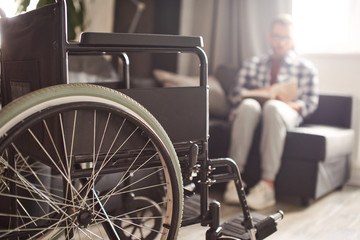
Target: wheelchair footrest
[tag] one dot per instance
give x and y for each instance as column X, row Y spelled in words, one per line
column 265, row 226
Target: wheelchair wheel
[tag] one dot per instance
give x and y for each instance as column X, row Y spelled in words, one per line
column 84, row 162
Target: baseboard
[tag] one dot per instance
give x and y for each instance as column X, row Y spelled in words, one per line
column 355, row 176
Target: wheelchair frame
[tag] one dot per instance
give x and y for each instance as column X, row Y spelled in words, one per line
column 189, row 134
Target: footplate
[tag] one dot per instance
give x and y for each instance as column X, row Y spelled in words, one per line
column 265, row 226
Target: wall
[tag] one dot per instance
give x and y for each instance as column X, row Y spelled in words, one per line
column 99, row 15
column 159, row 16
column 340, row 74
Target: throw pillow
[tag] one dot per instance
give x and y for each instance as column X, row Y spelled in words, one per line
column 218, row 104
column 227, row 77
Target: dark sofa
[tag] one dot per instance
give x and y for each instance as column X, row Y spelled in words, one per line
column 317, row 155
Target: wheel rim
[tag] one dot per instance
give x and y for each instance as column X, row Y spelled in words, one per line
column 79, row 205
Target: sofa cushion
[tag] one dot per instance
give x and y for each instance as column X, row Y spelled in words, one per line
column 218, row 104
column 227, row 77
column 317, row 143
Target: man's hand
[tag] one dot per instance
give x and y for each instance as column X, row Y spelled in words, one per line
column 295, row 106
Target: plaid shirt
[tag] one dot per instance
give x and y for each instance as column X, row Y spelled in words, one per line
column 256, row 74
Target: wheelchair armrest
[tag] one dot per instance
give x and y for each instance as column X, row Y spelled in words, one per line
column 139, row 40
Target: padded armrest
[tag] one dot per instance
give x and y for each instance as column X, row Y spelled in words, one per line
column 139, row 40
column 333, row 111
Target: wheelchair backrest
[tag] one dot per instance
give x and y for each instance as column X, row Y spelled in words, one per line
column 31, row 47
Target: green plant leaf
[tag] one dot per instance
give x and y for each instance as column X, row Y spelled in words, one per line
column 23, row 5
column 43, row 3
column 75, row 15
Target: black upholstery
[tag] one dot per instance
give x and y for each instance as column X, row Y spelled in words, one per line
column 183, row 118
column 138, row 39
column 29, row 52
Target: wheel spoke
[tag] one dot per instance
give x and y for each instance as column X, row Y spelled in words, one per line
column 61, row 162
column 104, row 211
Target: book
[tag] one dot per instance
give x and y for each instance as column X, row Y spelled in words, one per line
column 283, row 91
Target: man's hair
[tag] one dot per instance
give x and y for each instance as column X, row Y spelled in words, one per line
column 283, row 19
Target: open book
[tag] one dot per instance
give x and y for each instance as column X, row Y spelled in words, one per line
column 284, row 91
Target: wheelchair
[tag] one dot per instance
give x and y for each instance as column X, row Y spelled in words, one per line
column 81, row 161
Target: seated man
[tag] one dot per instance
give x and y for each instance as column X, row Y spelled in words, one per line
column 281, row 65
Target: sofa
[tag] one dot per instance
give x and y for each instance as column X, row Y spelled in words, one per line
column 317, row 154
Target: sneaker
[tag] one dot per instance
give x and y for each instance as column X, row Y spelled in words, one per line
column 261, row 196
column 231, row 196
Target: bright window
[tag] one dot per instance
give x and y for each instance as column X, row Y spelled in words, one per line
column 327, row 26
column 10, row 6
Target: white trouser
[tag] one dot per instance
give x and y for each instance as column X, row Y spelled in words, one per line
column 276, row 117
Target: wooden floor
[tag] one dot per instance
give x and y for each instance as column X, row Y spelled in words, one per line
column 335, row 216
